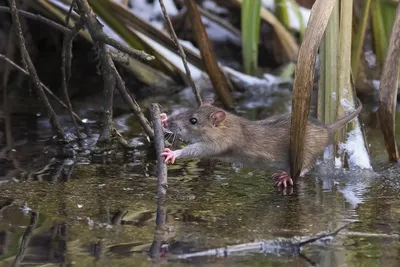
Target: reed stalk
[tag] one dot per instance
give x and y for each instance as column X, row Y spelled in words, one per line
column 359, row 38
column 327, row 89
column 380, row 35
column 303, row 83
column 281, row 11
column 250, row 25
column 388, row 90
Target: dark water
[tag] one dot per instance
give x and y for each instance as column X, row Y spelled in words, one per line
column 58, row 211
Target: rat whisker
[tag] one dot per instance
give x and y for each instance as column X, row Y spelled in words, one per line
column 170, row 135
column 173, row 139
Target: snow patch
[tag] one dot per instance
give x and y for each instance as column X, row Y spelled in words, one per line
column 355, row 149
column 172, row 57
column 294, row 20
column 152, row 12
column 214, row 7
column 333, row 96
column 376, row 84
column 251, row 80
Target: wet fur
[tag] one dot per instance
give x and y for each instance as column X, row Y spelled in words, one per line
column 262, row 144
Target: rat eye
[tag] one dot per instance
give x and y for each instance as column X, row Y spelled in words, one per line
column 193, row 121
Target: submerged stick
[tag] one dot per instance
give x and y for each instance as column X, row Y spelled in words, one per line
column 181, row 52
column 55, row 123
column 273, row 247
column 388, row 90
column 303, row 82
column 162, row 182
column 217, row 77
column 26, row 238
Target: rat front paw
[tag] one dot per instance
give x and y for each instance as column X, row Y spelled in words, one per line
column 169, row 155
column 282, row 178
column 164, row 119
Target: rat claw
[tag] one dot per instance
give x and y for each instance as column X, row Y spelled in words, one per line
column 282, row 178
column 169, row 155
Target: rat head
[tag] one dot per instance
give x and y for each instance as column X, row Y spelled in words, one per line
column 198, row 125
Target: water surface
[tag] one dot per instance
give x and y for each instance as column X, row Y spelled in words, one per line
column 101, row 211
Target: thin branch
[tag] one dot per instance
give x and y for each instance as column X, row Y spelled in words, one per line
column 141, row 55
column 66, row 57
column 33, row 74
column 132, row 104
column 316, row 238
column 9, row 61
column 95, row 29
column 162, row 182
column 48, row 22
column 181, row 52
column 69, row 12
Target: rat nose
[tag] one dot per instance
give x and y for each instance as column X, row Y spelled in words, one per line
column 172, row 126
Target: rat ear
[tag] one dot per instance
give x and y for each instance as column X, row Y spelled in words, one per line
column 208, row 101
column 218, row 117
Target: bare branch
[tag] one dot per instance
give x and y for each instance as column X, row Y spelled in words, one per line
column 70, row 11
column 181, row 52
column 48, row 22
column 162, row 182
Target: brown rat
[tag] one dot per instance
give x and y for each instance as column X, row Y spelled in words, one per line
column 264, row 144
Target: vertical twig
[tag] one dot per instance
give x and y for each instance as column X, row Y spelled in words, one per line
column 109, row 86
column 181, row 52
column 66, row 57
column 388, row 90
column 33, row 74
column 162, row 182
column 95, row 28
column 159, row 233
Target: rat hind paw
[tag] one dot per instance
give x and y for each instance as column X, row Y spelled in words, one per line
column 282, row 178
column 169, row 155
